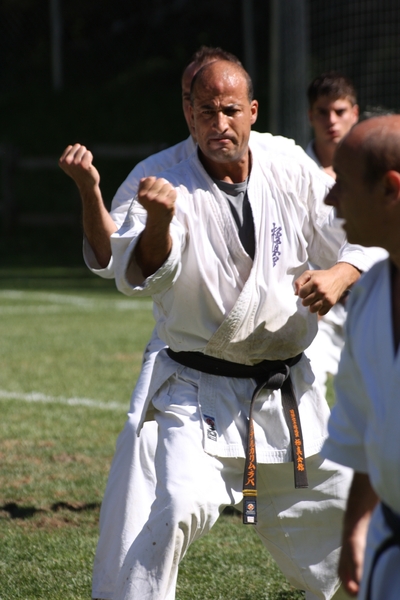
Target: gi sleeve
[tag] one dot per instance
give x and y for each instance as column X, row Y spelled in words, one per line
column 92, row 264
column 128, row 276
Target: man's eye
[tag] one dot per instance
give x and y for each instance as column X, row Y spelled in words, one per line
column 340, row 113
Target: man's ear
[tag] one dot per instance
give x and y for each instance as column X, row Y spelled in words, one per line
column 356, row 113
column 391, row 181
column 254, row 111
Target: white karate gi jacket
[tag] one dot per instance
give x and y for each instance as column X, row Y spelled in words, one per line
column 364, row 425
column 212, row 298
column 161, row 161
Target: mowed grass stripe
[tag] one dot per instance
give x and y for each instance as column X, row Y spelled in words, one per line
column 38, row 397
column 26, row 301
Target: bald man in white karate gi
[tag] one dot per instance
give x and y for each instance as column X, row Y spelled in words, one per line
column 130, row 488
column 363, row 428
column 222, row 243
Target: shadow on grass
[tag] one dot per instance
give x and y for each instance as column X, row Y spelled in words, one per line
column 16, row 511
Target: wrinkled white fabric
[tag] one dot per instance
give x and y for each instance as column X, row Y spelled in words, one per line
column 161, row 161
column 301, row 528
column 124, row 510
column 247, row 310
column 212, row 297
column 363, row 427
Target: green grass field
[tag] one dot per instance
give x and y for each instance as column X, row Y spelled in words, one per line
column 70, row 352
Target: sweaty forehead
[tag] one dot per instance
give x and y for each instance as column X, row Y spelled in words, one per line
column 226, row 90
column 332, row 102
column 220, row 78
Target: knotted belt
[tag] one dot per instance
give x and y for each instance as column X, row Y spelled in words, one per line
column 269, row 374
column 393, row 522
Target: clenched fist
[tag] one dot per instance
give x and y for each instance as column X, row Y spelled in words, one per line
column 158, row 197
column 77, row 162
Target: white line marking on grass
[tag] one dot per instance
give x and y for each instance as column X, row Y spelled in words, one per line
column 65, row 302
column 38, row 397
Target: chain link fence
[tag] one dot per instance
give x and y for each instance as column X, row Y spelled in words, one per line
column 102, row 53
column 361, row 39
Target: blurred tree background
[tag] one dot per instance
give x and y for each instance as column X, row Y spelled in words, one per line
column 107, row 73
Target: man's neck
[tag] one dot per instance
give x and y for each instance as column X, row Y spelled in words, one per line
column 231, row 172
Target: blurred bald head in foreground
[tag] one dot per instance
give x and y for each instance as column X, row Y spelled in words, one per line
column 367, row 190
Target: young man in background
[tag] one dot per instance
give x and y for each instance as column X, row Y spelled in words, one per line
column 333, row 111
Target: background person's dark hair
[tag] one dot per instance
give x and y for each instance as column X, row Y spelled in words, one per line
column 332, row 84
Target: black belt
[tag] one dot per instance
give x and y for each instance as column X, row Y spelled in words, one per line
column 269, row 374
column 392, row 520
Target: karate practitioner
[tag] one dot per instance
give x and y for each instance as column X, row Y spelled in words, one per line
column 130, row 488
column 364, row 425
column 222, row 243
column 333, row 110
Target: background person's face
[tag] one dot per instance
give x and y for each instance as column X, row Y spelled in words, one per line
column 332, row 119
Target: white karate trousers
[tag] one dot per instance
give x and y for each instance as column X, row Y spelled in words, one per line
column 326, row 348
column 130, row 489
column 300, row 528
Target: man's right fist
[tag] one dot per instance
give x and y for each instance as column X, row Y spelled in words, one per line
column 157, row 196
column 77, row 162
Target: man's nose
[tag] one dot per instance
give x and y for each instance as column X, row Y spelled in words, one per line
column 332, row 117
column 220, row 121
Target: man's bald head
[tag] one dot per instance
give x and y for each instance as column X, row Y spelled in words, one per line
column 367, row 190
column 203, row 56
column 222, row 115
column 223, row 72
column 378, row 141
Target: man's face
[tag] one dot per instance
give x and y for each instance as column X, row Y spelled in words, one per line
column 356, row 201
column 222, row 116
column 332, row 119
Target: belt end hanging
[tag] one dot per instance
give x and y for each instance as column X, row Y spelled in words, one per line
column 249, row 507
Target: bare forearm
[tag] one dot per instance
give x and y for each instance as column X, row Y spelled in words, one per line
column 320, row 290
column 77, row 162
column 97, row 224
column 347, row 274
column 153, row 248
column 361, row 502
column 158, row 197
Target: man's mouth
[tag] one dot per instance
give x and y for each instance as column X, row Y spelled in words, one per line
column 220, row 140
column 333, row 133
